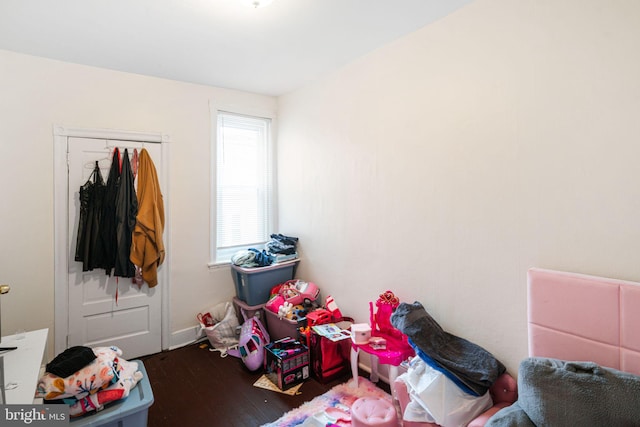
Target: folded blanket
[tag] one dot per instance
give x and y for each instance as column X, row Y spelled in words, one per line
column 129, row 377
column 97, row 375
column 78, row 406
column 553, row 392
column 468, row 365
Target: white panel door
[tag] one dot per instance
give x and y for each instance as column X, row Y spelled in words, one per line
column 133, row 322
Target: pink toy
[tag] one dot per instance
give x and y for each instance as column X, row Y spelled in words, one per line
column 274, row 303
column 373, row 412
column 381, row 320
column 292, row 292
column 299, row 292
column 253, row 338
column 332, row 307
column 397, row 347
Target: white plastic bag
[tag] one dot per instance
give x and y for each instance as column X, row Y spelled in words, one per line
column 223, row 334
column 437, row 399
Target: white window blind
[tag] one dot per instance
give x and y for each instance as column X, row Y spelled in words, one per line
column 244, row 183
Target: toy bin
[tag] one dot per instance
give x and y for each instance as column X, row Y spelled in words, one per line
column 132, row 411
column 249, row 310
column 282, row 328
column 253, row 285
column 286, row 362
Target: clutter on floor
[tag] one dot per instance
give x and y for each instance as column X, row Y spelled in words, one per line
column 220, row 324
column 251, row 345
column 467, row 364
column 380, row 340
column 90, row 379
column 265, row 383
column 332, row 407
column 286, row 362
column 373, row 412
column 291, row 333
column 288, row 307
column 276, row 310
column 449, row 381
column 272, row 310
column 329, row 347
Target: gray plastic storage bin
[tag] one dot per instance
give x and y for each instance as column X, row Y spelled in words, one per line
column 249, row 310
column 132, row 411
column 253, row 285
column 283, row 328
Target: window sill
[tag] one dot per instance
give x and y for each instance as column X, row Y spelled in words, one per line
column 218, row 265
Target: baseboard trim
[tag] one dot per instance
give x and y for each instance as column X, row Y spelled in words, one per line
column 185, row 337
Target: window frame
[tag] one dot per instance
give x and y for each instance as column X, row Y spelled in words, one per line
column 218, row 258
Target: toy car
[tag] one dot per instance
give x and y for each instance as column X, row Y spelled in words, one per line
column 299, row 292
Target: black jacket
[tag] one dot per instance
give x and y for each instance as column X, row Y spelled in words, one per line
column 126, row 211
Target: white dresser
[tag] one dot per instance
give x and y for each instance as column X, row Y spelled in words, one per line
column 21, row 367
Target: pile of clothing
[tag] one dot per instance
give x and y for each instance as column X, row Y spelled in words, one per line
column 283, row 248
column 280, row 248
column 88, row 378
column 449, row 379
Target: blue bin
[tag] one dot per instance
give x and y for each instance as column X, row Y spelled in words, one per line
column 253, row 285
column 131, row 411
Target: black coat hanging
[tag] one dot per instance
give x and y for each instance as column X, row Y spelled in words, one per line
column 108, row 229
column 89, row 247
column 126, row 211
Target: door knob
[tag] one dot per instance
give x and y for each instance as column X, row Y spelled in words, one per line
column 4, row 289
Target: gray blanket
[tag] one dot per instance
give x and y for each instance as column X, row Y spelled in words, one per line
column 553, row 392
column 467, row 362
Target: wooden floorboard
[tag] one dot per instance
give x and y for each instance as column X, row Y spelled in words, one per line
column 193, row 386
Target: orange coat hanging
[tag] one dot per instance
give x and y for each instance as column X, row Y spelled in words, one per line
column 147, row 248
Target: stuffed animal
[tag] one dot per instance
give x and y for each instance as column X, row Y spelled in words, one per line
column 285, row 310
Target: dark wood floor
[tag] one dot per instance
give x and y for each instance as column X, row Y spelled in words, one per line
column 195, row 387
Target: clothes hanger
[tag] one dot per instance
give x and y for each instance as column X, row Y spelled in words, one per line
column 104, row 163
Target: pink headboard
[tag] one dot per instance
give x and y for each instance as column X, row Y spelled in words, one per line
column 584, row 318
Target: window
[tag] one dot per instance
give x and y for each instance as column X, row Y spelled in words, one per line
column 244, row 184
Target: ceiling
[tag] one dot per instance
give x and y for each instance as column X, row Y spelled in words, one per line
column 270, row 50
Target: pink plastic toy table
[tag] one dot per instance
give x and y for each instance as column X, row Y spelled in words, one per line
column 397, row 349
column 396, row 352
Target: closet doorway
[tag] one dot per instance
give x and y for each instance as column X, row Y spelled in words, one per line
column 91, row 308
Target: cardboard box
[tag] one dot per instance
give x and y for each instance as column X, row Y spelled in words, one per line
column 286, row 362
column 253, row 285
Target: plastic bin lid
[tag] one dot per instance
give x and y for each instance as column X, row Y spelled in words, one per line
column 267, row 268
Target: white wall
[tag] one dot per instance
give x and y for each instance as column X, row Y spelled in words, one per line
column 444, row 165
column 441, row 166
column 35, row 94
